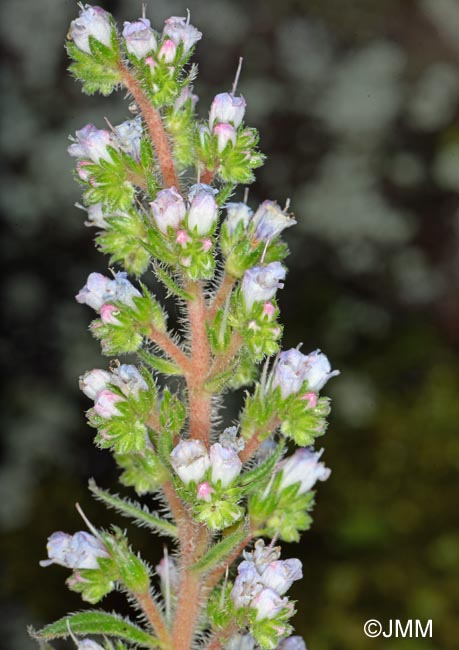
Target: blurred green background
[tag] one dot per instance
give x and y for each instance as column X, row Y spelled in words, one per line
column 357, row 102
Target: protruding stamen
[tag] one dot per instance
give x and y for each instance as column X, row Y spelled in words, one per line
column 236, row 78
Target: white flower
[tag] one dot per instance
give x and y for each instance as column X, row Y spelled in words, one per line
column 180, row 31
column 94, row 291
column 121, row 290
column 269, row 221
column 227, row 108
column 225, row 463
column 190, row 460
column 91, row 142
column 139, row 37
column 96, row 216
column 268, row 604
column 168, row 209
column 280, row 574
column 246, row 586
column 319, row 371
column 78, row 551
column 128, row 379
column 105, row 404
column 203, row 210
column 261, row 283
column 237, row 213
column 262, row 555
column 290, row 371
column 129, row 135
column 93, row 382
column 92, row 21
column 303, row 467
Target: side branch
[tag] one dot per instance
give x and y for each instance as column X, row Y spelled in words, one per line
column 172, row 350
column 221, row 296
column 154, row 616
column 155, row 127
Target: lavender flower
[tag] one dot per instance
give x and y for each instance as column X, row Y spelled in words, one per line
column 121, row 290
column 269, row 221
column 129, row 136
column 78, row 551
column 93, row 382
column 303, row 467
column 225, row 463
column 185, row 95
column 96, row 216
column 290, row 372
column 319, row 371
column 190, row 460
column 94, row 291
column 292, row 643
column 225, row 134
column 92, row 143
column 203, row 211
column 168, row 209
column 237, row 213
column 268, row 604
column 281, row 574
column 139, row 37
column 227, row 108
column 128, row 379
column 261, row 283
column 92, row 21
column 179, row 30
column 246, row 586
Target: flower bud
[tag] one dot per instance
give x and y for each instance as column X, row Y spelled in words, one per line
column 105, row 404
column 92, row 21
column 225, row 134
column 94, row 291
column 180, row 31
column 319, row 371
column 190, row 460
column 303, row 467
column 129, row 135
column 268, row 604
column 139, row 37
column 227, row 108
column 204, row 492
column 237, row 213
column 78, row 551
column 225, row 463
column 167, row 51
column 281, row 574
column 92, row 143
column 203, row 211
column 108, row 314
column 168, row 209
column 93, row 382
column 269, row 221
column 88, row 644
column 261, row 283
column 292, row 643
column 185, row 95
column 289, row 372
column 128, row 379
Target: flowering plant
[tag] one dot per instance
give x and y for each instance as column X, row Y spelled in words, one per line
column 157, row 188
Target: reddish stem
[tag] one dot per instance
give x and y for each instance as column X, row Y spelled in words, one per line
column 221, row 296
column 172, row 350
column 154, row 616
column 207, row 176
column 155, row 127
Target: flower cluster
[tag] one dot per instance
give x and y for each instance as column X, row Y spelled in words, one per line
column 158, row 189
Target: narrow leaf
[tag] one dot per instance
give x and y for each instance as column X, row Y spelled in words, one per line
column 220, row 551
column 97, row 622
column 259, row 473
column 134, row 510
column 159, row 364
column 171, row 285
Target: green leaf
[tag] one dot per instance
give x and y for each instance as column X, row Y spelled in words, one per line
column 140, row 471
column 158, row 363
column 170, row 284
column 97, row 622
column 136, row 511
column 219, row 552
column 256, row 476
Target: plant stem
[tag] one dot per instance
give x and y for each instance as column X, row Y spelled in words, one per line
column 154, row 617
column 199, row 397
column 172, row 350
column 214, row 576
column 155, row 127
column 221, row 296
column 222, row 360
column 255, row 441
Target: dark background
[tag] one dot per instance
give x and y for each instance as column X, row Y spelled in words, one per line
column 357, row 103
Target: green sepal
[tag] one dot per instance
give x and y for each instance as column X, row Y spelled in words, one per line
column 257, row 477
column 113, row 182
column 243, row 252
column 132, row 570
column 222, row 511
column 195, row 262
column 219, row 332
column 238, row 162
column 160, row 364
column 217, row 553
column 260, row 333
column 94, row 584
column 97, row 71
column 97, row 622
column 180, row 126
column 220, row 607
column 140, row 514
column 301, row 422
column 140, row 471
column 244, row 374
column 171, row 285
column 269, row 631
column 258, row 414
column 123, row 241
column 172, row 413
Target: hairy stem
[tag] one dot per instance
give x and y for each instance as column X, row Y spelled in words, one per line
column 217, row 574
column 155, row 127
column 221, row 296
column 199, row 397
column 154, row 616
column 222, row 360
column 172, row 350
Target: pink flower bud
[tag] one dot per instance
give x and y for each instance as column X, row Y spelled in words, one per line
column 180, row 31
column 139, row 37
column 311, row 398
column 105, row 402
column 203, row 211
column 269, row 221
column 303, row 467
column 225, row 463
column 78, row 551
column 152, row 64
column 168, row 209
column 93, row 382
column 227, row 108
column 92, row 21
column 204, row 492
column 268, row 604
column 108, row 314
column 182, row 238
column 261, row 283
column 167, row 51
column 206, row 245
column 225, row 133
column 83, row 173
column 280, row 574
column 92, row 143
column 269, row 310
column 190, row 460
